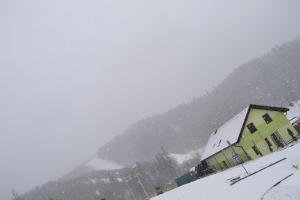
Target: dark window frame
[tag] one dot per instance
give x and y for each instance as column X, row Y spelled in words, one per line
column 251, row 127
column 267, row 118
column 256, row 150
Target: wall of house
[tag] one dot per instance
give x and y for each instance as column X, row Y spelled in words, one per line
column 224, row 159
column 217, row 161
column 279, row 124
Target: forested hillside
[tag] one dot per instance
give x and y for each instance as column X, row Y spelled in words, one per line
column 272, row 79
column 130, row 183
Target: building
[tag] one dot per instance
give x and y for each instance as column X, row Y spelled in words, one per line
column 254, row 132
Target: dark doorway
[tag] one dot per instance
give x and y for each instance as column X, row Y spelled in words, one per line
column 257, row 151
column 269, row 144
column 292, row 134
column 277, row 140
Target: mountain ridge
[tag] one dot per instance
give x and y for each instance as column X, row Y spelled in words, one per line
column 269, row 79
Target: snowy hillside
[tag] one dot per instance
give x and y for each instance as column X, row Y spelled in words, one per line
column 181, row 158
column 99, row 164
column 257, row 186
column 189, row 125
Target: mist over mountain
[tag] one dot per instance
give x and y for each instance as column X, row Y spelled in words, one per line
column 144, row 148
column 75, row 74
column 272, row 79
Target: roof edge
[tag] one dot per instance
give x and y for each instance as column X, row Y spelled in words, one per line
column 262, row 107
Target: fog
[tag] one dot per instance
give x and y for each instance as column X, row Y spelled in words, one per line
column 74, row 74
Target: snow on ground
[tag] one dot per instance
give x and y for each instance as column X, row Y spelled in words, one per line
column 181, row 158
column 100, row 164
column 217, row 186
column 287, row 190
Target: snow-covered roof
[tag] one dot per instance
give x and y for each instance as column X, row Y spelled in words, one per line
column 230, row 131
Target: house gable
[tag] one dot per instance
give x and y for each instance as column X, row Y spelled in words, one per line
column 264, row 129
column 257, row 112
column 270, row 130
column 235, row 129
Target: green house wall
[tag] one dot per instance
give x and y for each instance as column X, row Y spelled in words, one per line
column 280, row 124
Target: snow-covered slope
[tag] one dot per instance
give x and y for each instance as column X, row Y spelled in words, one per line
column 181, row 158
column 99, row 164
column 254, row 187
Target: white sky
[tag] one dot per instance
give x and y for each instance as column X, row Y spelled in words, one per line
column 73, row 74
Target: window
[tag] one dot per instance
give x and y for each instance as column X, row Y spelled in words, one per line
column 256, row 150
column 251, row 128
column 277, row 139
column 292, row 134
column 267, row 118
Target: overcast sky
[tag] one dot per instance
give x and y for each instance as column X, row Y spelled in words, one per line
column 75, row 73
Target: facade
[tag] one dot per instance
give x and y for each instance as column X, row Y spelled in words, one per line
column 253, row 133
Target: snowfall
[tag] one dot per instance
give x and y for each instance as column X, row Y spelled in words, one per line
column 269, row 181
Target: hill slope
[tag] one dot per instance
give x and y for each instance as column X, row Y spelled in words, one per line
column 272, row 79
